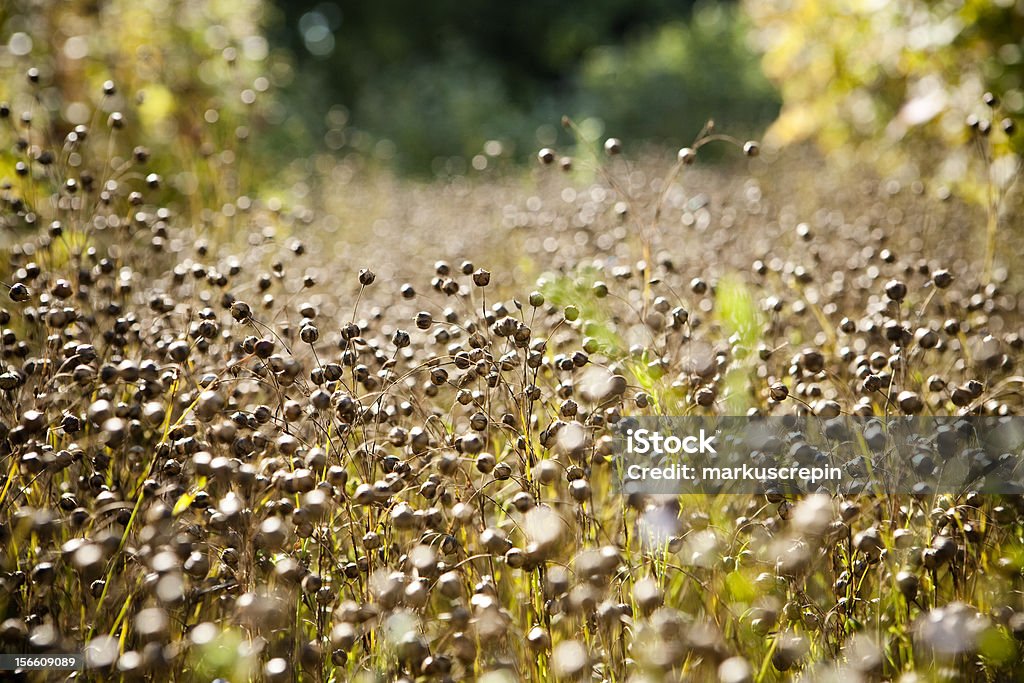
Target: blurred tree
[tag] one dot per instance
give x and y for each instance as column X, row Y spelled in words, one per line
column 667, row 83
column 888, row 79
column 438, row 79
column 530, row 43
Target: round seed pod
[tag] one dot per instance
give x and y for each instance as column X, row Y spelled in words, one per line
column 538, row 639
column 705, row 397
column 961, row 397
column 481, row 278
column 580, row 490
column 926, row 338
column 502, row 471
column 788, row 651
column 812, row 360
column 241, row 311
column 896, row 290
column 908, row 584
column 872, row 383
column 485, row 463
column 515, row 558
column 909, row 402
column 19, row 293
column 1016, row 625
column 869, row 541
column 942, row 278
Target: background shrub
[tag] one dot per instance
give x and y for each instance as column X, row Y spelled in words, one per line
column 894, row 82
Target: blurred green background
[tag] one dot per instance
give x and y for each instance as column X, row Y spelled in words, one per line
column 427, row 84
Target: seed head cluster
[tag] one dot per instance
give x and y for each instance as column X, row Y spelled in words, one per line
column 251, row 456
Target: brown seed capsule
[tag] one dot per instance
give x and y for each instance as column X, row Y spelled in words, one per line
column 961, row 397
column 546, row 155
column 485, row 463
column 538, row 638
column 481, row 277
column 909, row 402
column 705, row 396
column 927, row 339
column 613, row 146
column 515, row 558
column 812, row 360
column 687, row 156
column 788, row 651
column 240, row 311
column 19, row 293
column 178, row 351
column 827, row 409
column 580, row 490
column 869, row 541
column 942, row 278
column 896, row 290
column 751, row 148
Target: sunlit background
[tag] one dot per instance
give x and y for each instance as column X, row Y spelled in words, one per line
column 426, row 88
